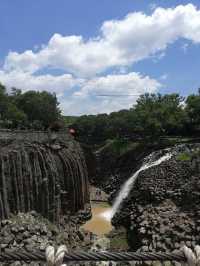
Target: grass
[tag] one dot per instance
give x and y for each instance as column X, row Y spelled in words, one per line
column 184, row 156
column 120, row 146
column 119, row 243
column 100, row 204
column 118, row 240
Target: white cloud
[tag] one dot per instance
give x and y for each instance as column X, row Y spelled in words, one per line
column 120, row 43
column 27, row 81
column 164, row 76
column 118, row 46
column 128, row 84
column 127, row 88
column 185, row 47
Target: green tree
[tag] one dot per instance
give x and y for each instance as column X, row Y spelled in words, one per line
column 3, row 102
column 193, row 111
column 158, row 115
column 16, row 117
column 39, row 106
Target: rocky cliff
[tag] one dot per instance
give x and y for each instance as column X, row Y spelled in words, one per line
column 162, row 210
column 42, row 172
column 113, row 169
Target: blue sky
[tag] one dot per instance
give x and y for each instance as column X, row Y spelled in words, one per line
column 81, row 49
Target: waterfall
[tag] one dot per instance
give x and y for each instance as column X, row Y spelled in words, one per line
column 127, row 186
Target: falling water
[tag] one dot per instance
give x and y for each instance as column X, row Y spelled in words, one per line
column 124, row 191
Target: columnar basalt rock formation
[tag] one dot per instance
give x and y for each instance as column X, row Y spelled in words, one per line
column 42, row 172
column 162, row 210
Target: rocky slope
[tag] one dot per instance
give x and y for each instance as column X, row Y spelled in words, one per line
column 32, row 232
column 162, row 210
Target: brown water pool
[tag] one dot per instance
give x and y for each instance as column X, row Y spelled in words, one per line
column 98, row 224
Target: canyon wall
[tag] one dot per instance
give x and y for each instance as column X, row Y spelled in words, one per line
column 41, row 171
column 162, row 210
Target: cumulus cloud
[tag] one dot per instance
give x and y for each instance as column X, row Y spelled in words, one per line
column 119, row 44
column 121, row 92
column 122, row 84
column 26, row 81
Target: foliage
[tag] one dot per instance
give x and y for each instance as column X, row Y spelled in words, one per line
column 193, row 111
column 31, row 109
column 159, row 115
column 153, row 117
column 184, row 157
column 121, row 146
column 68, row 120
column 118, row 239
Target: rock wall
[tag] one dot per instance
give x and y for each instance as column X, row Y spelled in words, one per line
column 45, row 172
column 162, row 211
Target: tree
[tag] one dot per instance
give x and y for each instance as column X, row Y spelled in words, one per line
column 39, row 106
column 158, row 115
column 193, row 111
column 3, row 101
column 16, row 117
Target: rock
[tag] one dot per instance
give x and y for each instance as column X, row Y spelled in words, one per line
column 8, row 239
column 80, row 235
column 164, row 202
column 14, row 230
column 26, row 234
column 5, row 222
column 43, row 230
column 32, row 239
column 3, row 245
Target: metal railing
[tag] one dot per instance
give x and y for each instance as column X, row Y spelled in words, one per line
column 94, row 256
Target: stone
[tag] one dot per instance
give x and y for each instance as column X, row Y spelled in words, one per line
column 3, row 245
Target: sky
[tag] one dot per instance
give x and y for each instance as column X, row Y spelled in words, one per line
column 99, row 56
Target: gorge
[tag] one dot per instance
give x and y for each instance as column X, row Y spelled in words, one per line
column 45, row 196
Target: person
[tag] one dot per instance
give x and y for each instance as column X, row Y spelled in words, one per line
column 72, row 132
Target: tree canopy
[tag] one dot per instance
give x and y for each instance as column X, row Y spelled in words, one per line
column 32, row 109
column 153, row 116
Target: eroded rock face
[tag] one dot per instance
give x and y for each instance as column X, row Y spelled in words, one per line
column 48, row 176
column 162, row 211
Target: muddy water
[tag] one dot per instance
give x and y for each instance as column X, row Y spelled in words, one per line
column 98, row 224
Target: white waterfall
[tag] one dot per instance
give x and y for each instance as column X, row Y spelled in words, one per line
column 127, row 186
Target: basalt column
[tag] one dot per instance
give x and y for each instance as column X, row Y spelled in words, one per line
column 49, row 178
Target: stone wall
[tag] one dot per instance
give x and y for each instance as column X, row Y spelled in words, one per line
column 31, row 136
